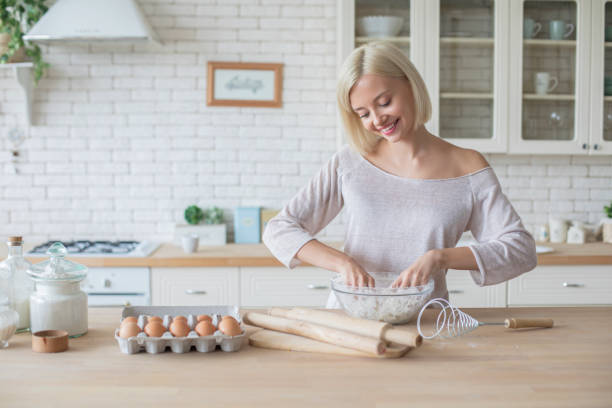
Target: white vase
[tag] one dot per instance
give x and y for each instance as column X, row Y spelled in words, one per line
column 607, row 230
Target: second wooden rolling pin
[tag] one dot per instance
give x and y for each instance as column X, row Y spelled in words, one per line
column 313, row 331
column 370, row 328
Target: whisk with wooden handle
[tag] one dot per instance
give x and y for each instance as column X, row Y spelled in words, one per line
column 452, row 322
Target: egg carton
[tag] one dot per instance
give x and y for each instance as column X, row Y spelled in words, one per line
column 204, row 344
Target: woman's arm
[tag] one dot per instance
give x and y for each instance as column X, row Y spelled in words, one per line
column 326, row 257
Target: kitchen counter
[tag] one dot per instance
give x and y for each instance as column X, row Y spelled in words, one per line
column 569, row 365
column 169, row 255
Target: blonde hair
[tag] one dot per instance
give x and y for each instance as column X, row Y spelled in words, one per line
column 384, row 59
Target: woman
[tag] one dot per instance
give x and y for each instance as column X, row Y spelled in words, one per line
column 408, row 194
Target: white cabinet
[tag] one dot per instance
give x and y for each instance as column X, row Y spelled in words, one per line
column 480, row 60
column 601, row 72
column 562, row 285
column 302, row 286
column 463, row 292
column 195, row 286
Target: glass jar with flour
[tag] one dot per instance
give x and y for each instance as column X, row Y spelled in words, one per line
column 58, row 303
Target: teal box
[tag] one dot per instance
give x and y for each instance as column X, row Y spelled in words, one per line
column 247, row 225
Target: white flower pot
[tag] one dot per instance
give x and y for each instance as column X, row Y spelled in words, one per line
column 209, row 234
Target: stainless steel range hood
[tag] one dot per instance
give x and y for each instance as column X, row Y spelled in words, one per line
column 92, row 21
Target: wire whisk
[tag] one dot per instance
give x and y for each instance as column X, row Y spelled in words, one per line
column 452, row 322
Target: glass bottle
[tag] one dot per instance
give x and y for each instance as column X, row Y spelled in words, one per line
column 17, row 291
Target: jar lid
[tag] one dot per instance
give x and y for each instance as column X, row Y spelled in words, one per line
column 13, row 241
column 57, row 268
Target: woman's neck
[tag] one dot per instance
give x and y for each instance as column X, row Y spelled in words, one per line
column 412, row 146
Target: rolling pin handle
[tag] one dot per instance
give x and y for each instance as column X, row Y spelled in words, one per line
column 520, row 323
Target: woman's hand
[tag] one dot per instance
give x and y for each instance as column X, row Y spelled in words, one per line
column 355, row 275
column 420, row 271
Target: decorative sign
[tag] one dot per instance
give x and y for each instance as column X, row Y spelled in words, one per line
column 244, row 84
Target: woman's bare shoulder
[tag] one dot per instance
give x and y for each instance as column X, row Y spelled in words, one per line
column 469, row 160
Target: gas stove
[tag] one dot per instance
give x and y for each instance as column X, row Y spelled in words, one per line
column 101, row 248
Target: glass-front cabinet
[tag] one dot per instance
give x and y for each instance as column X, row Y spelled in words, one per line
column 601, row 78
column 515, row 76
column 470, row 84
column 549, row 99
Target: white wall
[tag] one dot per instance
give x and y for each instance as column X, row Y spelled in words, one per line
column 123, row 140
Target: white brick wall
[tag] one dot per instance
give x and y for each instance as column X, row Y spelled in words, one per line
column 123, row 140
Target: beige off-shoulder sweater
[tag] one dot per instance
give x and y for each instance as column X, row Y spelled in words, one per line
column 393, row 220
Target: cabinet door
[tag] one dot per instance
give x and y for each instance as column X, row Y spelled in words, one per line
column 562, row 285
column 303, row 286
column 549, row 76
column 360, row 22
column 195, row 286
column 463, row 292
column 470, row 89
column 601, row 78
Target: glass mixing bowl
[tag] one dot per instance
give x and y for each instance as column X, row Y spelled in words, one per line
column 382, row 302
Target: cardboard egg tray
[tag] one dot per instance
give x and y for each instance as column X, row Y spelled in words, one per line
column 203, row 344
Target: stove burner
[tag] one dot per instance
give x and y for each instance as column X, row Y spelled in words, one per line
column 90, row 247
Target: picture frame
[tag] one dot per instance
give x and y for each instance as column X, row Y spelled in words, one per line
column 246, row 84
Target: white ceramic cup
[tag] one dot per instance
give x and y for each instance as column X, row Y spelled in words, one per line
column 542, row 234
column 190, row 242
column 544, row 83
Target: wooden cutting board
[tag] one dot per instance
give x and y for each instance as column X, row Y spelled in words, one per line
column 283, row 341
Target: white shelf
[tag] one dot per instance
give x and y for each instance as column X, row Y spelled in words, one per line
column 607, row 98
column 23, row 74
column 405, row 40
column 465, row 95
column 549, row 97
column 556, row 43
column 467, row 40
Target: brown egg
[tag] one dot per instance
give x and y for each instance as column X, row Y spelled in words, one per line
column 155, row 319
column 129, row 319
column 205, row 328
column 129, row 329
column 204, row 317
column 229, row 318
column 154, row 329
column 230, row 327
column 177, row 318
column 179, row 328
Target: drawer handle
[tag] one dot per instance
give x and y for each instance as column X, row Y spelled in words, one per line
column 572, row 285
column 313, row 286
column 455, row 292
column 195, row 292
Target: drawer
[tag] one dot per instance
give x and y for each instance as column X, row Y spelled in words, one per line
column 302, row 286
column 562, row 285
column 463, row 292
column 195, row 286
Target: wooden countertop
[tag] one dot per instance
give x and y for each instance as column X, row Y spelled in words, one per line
column 169, row 255
column 569, row 365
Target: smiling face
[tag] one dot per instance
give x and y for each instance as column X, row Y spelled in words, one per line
column 384, row 105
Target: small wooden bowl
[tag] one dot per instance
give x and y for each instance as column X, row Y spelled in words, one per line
column 50, row 341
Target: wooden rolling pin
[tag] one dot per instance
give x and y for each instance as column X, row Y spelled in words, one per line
column 316, row 332
column 408, row 336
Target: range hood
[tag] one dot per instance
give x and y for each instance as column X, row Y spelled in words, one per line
column 92, row 21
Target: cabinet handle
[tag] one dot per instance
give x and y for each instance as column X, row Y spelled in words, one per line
column 572, row 285
column 195, row 292
column 596, row 146
column 313, row 286
column 585, row 146
column 455, row 291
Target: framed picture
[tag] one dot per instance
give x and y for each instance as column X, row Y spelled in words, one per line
column 244, row 84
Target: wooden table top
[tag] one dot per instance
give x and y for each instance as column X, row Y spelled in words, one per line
column 569, row 365
column 169, row 255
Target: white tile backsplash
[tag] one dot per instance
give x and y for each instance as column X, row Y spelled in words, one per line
column 123, row 140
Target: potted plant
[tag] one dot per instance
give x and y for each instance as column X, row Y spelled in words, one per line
column 207, row 225
column 16, row 18
column 607, row 224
